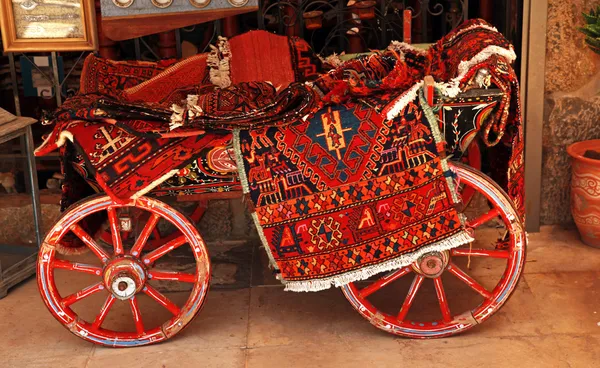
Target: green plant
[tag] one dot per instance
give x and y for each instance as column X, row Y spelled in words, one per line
column 592, row 29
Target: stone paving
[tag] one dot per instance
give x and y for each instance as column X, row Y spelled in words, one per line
column 552, row 320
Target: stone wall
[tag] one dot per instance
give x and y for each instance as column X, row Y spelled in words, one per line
column 572, row 107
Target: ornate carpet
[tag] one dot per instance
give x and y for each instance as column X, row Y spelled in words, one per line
column 348, row 193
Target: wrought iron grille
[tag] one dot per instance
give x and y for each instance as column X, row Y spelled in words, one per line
column 339, row 25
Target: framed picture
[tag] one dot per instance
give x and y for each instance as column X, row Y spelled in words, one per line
column 48, row 25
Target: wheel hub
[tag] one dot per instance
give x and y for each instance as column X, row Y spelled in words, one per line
column 431, row 264
column 124, row 277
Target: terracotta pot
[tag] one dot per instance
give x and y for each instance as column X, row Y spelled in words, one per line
column 365, row 9
column 585, row 190
column 313, row 19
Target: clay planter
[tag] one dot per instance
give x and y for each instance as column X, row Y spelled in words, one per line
column 365, row 9
column 585, row 190
column 313, row 19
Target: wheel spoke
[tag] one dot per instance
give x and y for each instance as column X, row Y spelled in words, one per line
column 453, row 269
column 479, row 253
column 441, row 295
column 87, row 240
column 384, row 281
column 137, row 316
column 144, row 235
column 75, row 297
column 164, row 249
column 491, row 214
column 79, row 267
column 172, row 276
column 156, row 234
column 412, row 292
column 115, row 230
column 161, row 299
column 104, row 311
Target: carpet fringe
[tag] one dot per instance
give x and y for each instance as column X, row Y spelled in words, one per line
column 472, row 27
column 218, row 63
column 452, row 88
column 403, row 46
column 393, row 109
column 154, row 184
column 364, row 273
column 239, row 160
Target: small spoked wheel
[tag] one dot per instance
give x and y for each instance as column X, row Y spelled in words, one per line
column 123, row 279
column 448, row 292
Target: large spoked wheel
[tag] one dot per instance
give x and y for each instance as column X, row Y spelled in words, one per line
column 124, row 278
column 444, row 297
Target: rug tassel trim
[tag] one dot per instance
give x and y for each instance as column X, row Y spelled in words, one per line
column 470, row 28
column 393, row 109
column 333, row 59
column 154, row 184
column 451, row 184
column 403, row 46
column 433, row 120
column 452, row 88
column 264, row 241
column 364, row 273
column 63, row 137
column 239, row 161
column 218, row 62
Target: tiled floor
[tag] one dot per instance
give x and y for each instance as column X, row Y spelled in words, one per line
column 552, row 320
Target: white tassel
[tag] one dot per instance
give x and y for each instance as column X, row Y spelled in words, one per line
column 333, row 60
column 154, row 184
column 366, row 272
column 176, row 117
column 218, row 62
column 402, row 47
column 394, row 108
column 470, row 28
column 451, row 88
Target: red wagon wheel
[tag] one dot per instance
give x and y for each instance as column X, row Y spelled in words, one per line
column 158, row 236
column 407, row 318
column 123, row 275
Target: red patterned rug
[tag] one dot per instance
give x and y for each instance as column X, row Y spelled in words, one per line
column 348, row 193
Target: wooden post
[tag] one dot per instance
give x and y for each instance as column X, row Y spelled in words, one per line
column 429, row 88
column 355, row 44
column 230, row 26
column 107, row 48
column 167, row 45
column 486, row 10
column 406, row 26
column 294, row 17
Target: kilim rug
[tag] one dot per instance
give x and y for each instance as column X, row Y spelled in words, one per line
column 348, row 193
column 264, row 56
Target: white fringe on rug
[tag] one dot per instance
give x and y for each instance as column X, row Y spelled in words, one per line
column 155, row 183
column 401, row 47
column 333, row 59
column 394, row 108
column 451, row 88
column 366, row 272
column 239, row 160
column 218, row 63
